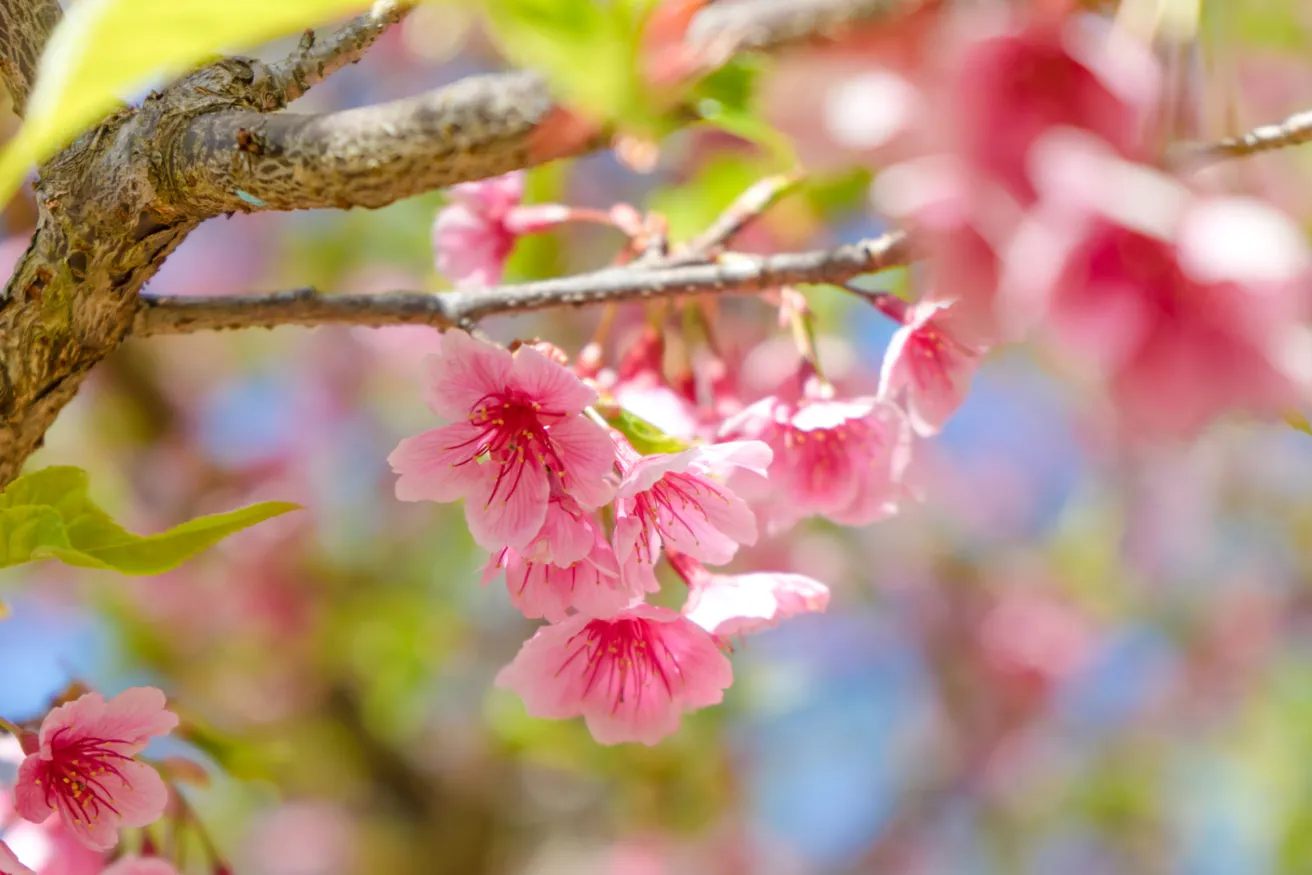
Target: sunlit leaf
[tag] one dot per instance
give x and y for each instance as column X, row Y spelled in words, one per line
column 645, row 437
column 106, row 49
column 47, row 514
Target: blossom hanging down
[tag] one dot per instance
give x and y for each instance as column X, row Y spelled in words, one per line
column 630, row 677
column 930, row 365
column 85, row 768
column 675, row 499
column 474, row 234
column 519, row 429
column 727, row 605
column 841, row 459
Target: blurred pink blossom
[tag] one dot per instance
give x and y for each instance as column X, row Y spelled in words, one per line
column 475, row 233
column 1035, row 638
column 1185, row 306
column 928, row 364
column 85, row 768
column 630, row 677
column 518, row 424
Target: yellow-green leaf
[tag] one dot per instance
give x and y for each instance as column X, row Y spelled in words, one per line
column 1299, row 421
column 105, row 49
column 47, row 515
column 645, row 437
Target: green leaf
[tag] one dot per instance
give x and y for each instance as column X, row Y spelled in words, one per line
column 1299, row 421
column 645, row 437
column 47, row 514
column 725, row 99
column 103, row 50
column 588, row 50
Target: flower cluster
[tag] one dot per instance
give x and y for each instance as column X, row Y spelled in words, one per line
column 578, row 520
column 79, row 782
column 1036, row 198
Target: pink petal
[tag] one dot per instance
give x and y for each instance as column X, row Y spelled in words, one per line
column 648, row 470
column 588, row 454
column 435, row 466
column 492, row 196
column 515, row 515
column 536, row 673
column 719, row 458
column 134, row 716
column 463, row 374
column 471, row 250
column 712, row 531
column 549, row 384
column 746, row 603
column 72, row 718
column 566, row 536
column 30, row 797
column 9, row 864
column 142, row 799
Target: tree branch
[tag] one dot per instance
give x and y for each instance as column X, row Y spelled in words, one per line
column 1293, row 131
column 25, row 25
column 735, row 273
column 479, row 127
column 318, row 57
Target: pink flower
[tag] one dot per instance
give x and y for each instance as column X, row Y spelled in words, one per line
column 631, row 677
column 671, row 499
column 1185, row 306
column 474, row 234
column 9, row 864
column 521, row 430
column 590, row 584
column 1013, row 88
column 47, row 848
column 844, row 460
column 85, row 767
column 928, row 364
column 727, row 605
column 135, row 865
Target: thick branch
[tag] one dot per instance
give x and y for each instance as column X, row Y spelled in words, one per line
column 319, row 56
column 1293, row 131
column 479, row 127
column 160, row 314
column 368, row 157
column 25, row 25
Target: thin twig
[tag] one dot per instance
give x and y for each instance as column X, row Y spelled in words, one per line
column 1293, row 131
column 318, row 57
column 732, row 273
column 746, row 208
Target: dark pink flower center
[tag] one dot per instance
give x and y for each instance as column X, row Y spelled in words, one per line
column 512, row 434
column 669, row 505
column 74, row 778
column 825, row 453
column 624, row 658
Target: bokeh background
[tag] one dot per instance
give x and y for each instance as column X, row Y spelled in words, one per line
column 1068, row 659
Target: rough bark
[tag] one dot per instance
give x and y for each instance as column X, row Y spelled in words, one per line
column 25, row 25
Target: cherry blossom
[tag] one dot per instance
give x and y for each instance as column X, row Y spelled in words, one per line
column 474, row 234
column 928, row 364
column 738, row 604
column 630, row 677
column 591, row 584
column 841, row 459
column 85, row 767
column 673, row 499
column 521, row 428
column 1183, row 304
